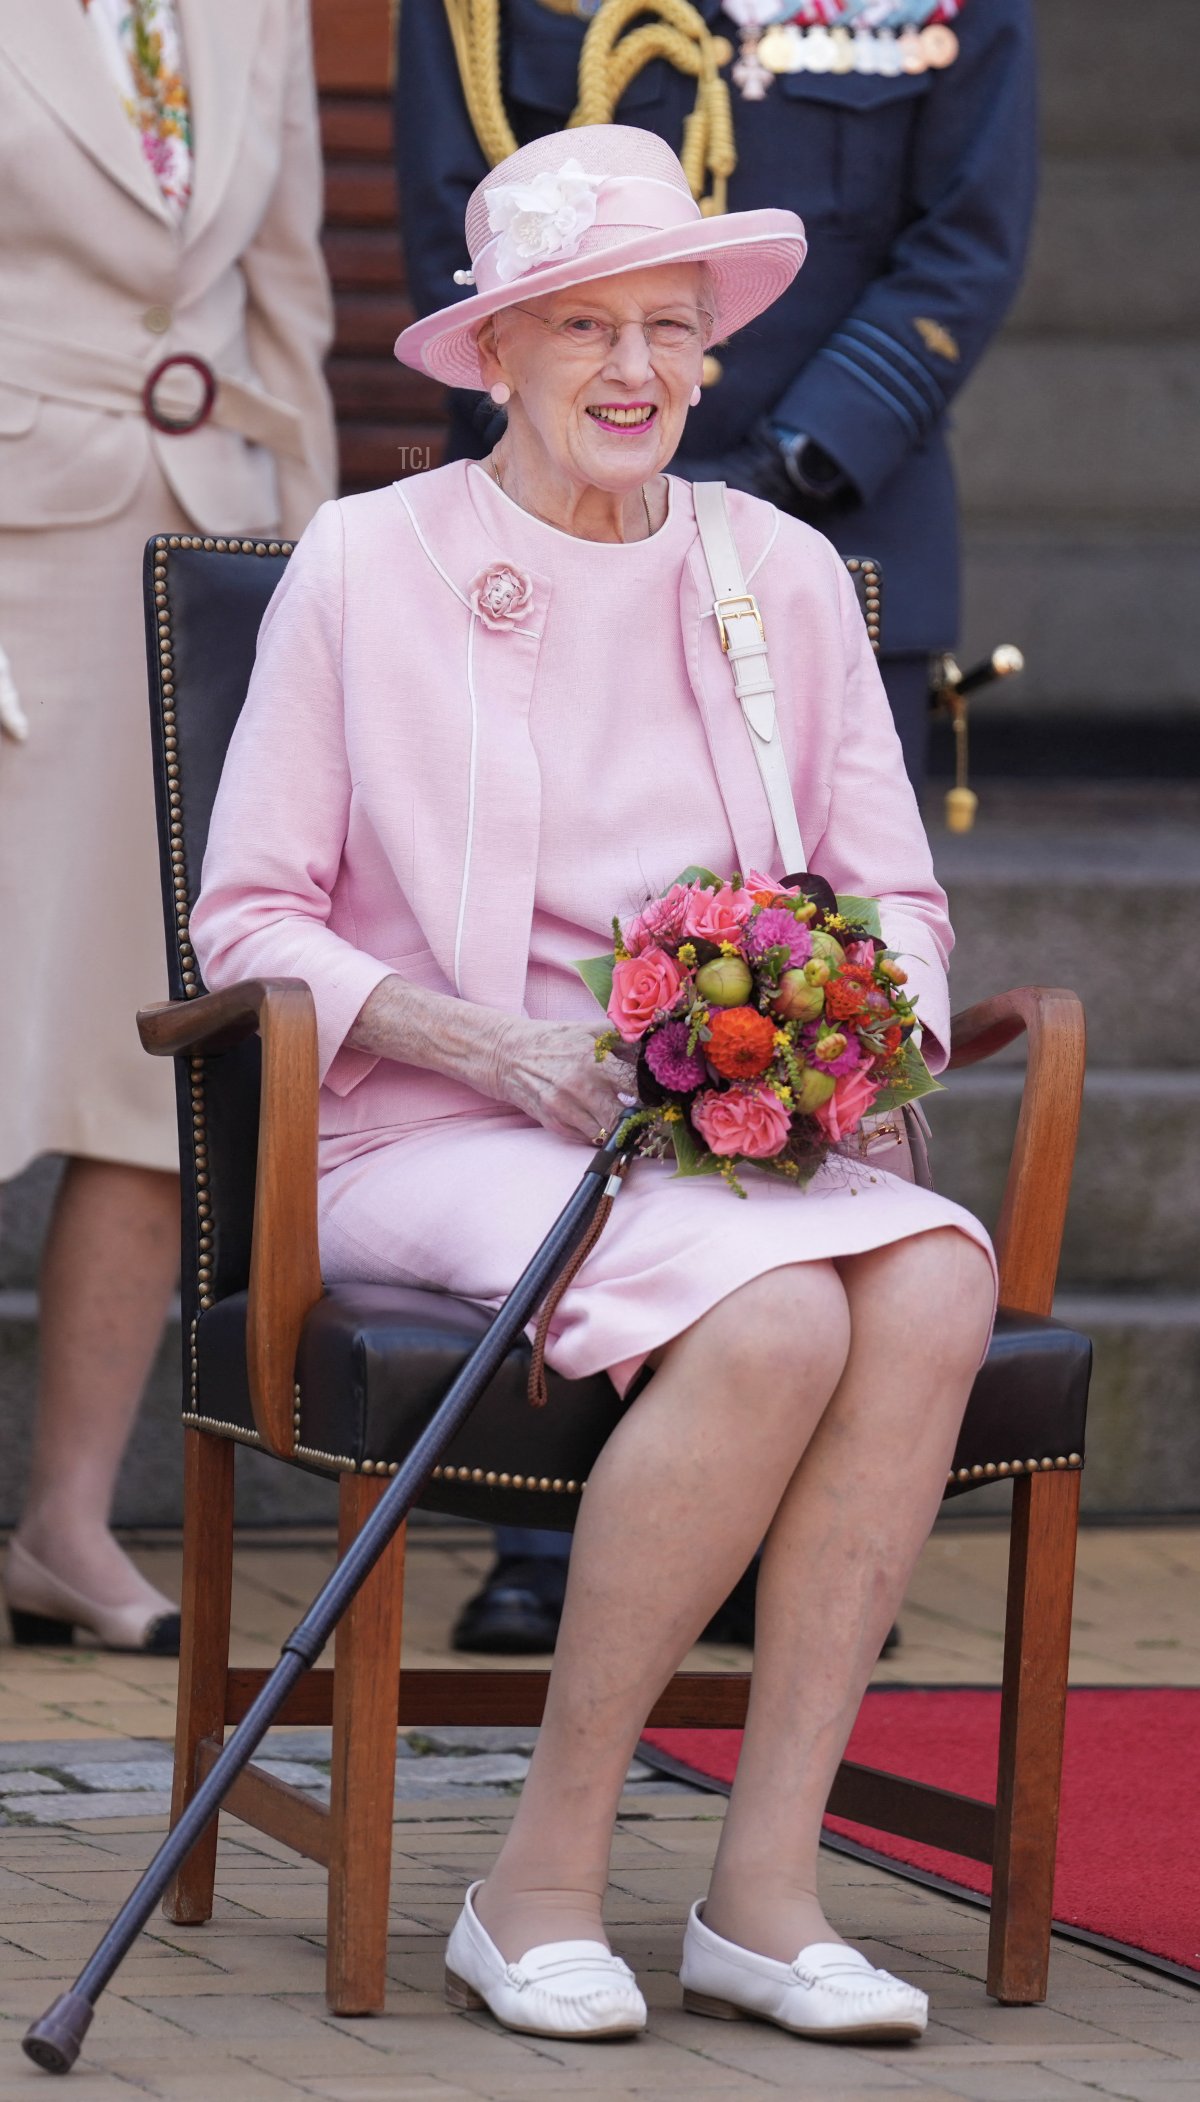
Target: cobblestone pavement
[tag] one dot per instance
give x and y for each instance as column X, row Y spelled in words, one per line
column 237, row 2009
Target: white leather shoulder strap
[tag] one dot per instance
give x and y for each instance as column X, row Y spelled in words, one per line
column 740, row 629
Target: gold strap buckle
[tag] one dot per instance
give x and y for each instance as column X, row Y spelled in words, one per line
column 739, row 605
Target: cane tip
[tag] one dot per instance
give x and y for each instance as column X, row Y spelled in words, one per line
column 56, row 2038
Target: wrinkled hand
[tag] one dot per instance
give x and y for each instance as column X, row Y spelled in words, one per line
column 549, row 1070
column 13, row 721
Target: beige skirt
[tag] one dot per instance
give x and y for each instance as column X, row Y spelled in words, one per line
column 81, row 929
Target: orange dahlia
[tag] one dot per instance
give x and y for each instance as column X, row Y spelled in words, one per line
column 844, row 1003
column 742, row 1043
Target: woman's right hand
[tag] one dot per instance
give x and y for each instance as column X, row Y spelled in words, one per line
column 549, row 1070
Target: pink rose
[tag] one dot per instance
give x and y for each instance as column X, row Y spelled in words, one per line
column 751, row 1121
column 501, row 595
column 718, row 915
column 662, row 920
column 848, row 1104
column 861, row 952
column 644, row 988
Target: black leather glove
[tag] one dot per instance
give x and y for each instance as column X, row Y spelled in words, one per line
column 800, row 479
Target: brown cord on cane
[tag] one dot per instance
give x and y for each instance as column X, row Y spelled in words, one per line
column 536, row 1388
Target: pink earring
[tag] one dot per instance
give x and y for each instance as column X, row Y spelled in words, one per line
column 500, row 393
column 695, row 397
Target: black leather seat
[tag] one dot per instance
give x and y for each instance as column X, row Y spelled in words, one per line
column 376, row 1359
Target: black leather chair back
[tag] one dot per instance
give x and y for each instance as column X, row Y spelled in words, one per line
column 205, row 600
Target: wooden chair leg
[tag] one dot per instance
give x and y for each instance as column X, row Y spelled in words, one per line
column 203, row 1653
column 1037, row 1640
column 366, row 1699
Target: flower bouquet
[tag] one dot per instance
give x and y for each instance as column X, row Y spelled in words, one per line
column 769, row 1020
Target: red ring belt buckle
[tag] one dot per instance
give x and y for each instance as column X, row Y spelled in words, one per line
column 179, row 426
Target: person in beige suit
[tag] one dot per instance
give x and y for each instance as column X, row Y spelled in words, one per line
column 164, row 313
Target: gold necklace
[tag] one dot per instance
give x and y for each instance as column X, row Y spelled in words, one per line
column 494, row 464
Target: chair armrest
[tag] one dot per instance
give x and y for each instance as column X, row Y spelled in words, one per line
column 1034, row 1209
column 285, row 1269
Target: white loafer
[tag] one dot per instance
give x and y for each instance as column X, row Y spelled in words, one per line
column 830, row 1991
column 575, row 1989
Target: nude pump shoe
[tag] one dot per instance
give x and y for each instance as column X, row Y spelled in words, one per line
column 45, row 1611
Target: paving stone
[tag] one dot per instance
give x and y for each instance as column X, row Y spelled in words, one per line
column 60, row 1809
column 111, row 1775
column 23, row 1781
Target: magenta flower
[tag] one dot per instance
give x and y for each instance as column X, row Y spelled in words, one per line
column 672, row 1065
column 775, row 928
column 847, row 1061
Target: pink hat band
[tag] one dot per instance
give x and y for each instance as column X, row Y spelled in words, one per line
column 630, row 204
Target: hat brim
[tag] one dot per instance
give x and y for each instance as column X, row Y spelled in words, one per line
column 751, row 256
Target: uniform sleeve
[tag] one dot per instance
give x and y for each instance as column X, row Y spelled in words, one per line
column 874, row 844
column 889, row 371
column 289, row 313
column 279, row 823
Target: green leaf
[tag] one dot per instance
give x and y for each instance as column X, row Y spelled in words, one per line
column 704, row 877
column 597, row 974
column 862, row 912
column 915, row 1080
column 689, row 1160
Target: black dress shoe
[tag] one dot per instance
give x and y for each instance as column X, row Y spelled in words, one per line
column 517, row 1612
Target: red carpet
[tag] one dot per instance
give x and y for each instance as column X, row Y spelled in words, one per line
column 1129, row 1839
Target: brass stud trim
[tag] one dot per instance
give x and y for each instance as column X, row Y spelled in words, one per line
column 1002, row 1469
column 539, row 1483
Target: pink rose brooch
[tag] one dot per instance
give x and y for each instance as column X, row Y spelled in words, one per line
column 502, row 596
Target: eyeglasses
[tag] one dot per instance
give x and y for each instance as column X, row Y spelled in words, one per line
column 585, row 336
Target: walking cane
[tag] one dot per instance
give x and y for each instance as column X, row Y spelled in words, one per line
column 55, row 2039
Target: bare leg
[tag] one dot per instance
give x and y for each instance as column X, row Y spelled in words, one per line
column 838, row 1558
column 676, row 1505
column 108, row 1267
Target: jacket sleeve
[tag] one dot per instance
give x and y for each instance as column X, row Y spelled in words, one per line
column 279, row 823
column 874, row 844
column 888, row 372
column 289, row 312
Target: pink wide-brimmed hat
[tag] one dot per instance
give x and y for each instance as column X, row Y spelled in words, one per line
column 580, row 205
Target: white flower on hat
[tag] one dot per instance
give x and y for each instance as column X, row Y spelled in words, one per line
column 538, row 220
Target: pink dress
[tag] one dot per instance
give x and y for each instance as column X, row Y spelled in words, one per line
column 617, row 758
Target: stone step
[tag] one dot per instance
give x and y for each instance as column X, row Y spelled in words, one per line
column 1123, row 75
column 1059, row 428
column 1100, row 615
column 1133, row 1223
column 1098, row 264
column 1032, row 891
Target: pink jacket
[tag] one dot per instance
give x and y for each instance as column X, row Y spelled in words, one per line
column 364, row 827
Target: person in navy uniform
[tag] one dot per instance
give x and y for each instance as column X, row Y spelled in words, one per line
column 917, row 190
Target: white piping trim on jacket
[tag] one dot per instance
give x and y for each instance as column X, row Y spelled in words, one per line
column 466, row 874
column 461, row 596
column 753, row 572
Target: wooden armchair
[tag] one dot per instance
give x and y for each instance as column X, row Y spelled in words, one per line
column 340, row 1381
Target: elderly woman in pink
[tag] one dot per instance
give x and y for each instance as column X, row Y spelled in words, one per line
column 490, row 709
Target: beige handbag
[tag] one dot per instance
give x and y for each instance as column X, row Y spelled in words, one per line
column 898, row 1143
